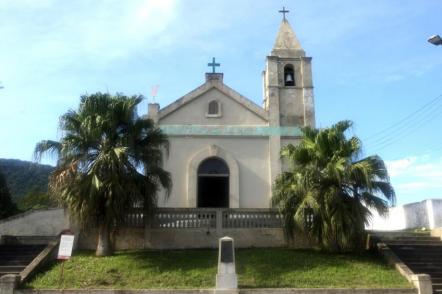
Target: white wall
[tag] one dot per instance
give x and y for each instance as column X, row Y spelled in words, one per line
column 425, row 214
column 45, row 222
column 251, row 154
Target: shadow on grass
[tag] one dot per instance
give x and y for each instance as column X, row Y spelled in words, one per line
column 172, row 260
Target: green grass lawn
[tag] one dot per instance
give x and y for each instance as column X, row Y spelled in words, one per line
column 256, row 268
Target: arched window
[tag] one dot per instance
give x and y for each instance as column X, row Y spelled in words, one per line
column 213, row 166
column 289, row 75
column 214, row 109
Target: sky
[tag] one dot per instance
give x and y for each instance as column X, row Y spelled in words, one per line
column 372, row 64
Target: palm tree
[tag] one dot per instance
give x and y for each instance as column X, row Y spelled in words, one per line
column 108, row 160
column 328, row 191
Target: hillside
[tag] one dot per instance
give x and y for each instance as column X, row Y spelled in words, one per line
column 22, row 176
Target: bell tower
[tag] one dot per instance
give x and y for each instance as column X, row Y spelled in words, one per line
column 287, row 79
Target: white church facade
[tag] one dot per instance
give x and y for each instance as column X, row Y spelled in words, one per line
column 225, row 149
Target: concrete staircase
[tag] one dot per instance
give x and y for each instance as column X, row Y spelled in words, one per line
column 421, row 253
column 14, row 258
column 17, row 252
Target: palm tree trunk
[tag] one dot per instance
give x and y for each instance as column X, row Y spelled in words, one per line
column 104, row 246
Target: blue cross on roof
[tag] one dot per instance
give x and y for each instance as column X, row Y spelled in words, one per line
column 213, row 64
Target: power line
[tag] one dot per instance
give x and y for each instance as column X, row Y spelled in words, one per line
column 407, row 129
column 409, row 119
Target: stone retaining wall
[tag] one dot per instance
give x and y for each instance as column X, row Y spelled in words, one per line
column 425, row 214
column 44, row 222
column 139, row 238
column 170, row 229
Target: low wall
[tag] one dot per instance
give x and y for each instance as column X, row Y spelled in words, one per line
column 122, row 238
column 424, row 214
column 45, row 222
column 183, row 228
column 168, row 229
column 208, row 238
column 139, row 238
column 212, row 291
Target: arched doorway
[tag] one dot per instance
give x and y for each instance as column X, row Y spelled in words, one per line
column 213, row 183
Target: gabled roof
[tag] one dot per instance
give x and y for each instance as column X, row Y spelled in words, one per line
column 220, row 86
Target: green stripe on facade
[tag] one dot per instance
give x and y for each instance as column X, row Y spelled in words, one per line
column 195, row 130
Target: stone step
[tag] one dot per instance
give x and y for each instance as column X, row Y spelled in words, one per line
column 11, row 269
column 425, row 237
column 16, row 261
column 425, row 263
column 427, row 271
column 423, row 249
column 20, row 248
column 437, row 287
column 414, row 243
column 24, row 253
column 6, row 273
column 398, row 234
column 430, row 241
column 412, row 250
column 417, row 256
column 15, row 257
column 420, row 261
column 27, row 240
column 28, row 253
column 437, row 256
column 8, row 246
column 437, row 274
column 415, row 253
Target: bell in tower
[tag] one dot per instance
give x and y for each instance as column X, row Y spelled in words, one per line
column 289, row 75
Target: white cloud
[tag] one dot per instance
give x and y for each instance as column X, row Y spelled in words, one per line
column 416, row 177
column 51, row 35
column 399, row 166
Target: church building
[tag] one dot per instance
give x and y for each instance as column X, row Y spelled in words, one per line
column 225, row 149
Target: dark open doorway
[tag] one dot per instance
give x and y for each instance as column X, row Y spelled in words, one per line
column 213, row 183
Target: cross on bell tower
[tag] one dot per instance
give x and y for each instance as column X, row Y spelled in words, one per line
column 283, row 11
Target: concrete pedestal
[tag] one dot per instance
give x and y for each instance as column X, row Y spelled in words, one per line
column 8, row 283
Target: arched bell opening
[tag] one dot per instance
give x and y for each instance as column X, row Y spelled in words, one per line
column 213, row 183
column 289, row 75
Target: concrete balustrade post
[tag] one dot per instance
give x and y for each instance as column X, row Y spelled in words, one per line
column 219, row 222
column 423, row 283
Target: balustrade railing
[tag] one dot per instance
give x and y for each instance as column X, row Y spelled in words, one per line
column 184, row 218
column 251, row 218
column 135, row 218
column 208, row 218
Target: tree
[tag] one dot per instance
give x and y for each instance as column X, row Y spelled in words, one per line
column 108, row 161
column 328, row 191
column 36, row 199
column 7, row 207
